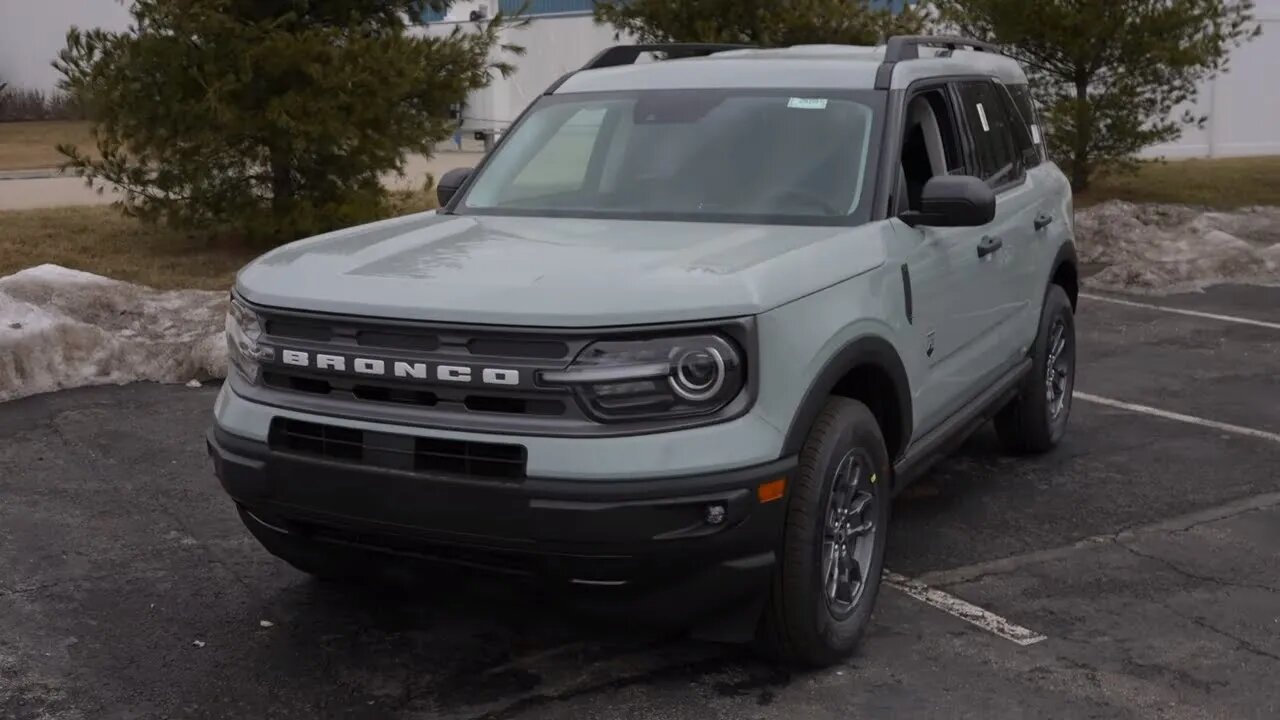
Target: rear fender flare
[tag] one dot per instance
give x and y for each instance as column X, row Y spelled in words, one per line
column 1066, row 256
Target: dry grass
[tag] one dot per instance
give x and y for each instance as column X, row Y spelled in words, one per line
column 99, row 240
column 30, row 145
column 1221, row 184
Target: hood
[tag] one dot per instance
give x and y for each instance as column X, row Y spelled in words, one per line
column 556, row 272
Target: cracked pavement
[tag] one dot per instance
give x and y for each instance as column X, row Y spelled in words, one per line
column 1146, row 550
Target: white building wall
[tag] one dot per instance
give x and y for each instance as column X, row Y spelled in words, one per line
column 554, row 45
column 1243, row 105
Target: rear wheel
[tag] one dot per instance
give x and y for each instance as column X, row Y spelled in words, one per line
column 1036, row 420
column 833, row 549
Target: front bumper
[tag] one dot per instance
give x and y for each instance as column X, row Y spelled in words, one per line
column 645, row 544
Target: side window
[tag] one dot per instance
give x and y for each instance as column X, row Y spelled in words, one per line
column 561, row 164
column 930, row 145
column 1027, row 133
column 996, row 157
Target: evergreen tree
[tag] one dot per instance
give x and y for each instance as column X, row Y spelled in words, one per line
column 275, row 118
column 1108, row 74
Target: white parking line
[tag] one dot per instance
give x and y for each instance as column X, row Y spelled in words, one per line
column 1179, row 311
column 968, row 612
column 1225, row 427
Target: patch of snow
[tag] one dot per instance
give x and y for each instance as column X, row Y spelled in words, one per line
column 62, row 328
column 1161, row 249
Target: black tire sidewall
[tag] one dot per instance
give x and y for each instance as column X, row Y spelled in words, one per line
column 1056, row 306
column 820, row 637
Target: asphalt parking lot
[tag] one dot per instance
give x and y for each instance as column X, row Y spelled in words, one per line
column 1146, row 550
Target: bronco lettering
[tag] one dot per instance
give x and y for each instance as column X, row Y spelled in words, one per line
column 399, row 369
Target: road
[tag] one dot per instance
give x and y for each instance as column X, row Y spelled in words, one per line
column 1144, row 549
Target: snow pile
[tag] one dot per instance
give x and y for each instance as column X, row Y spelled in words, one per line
column 1172, row 248
column 62, row 328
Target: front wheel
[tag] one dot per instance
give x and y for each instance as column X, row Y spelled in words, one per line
column 1036, row 420
column 834, row 540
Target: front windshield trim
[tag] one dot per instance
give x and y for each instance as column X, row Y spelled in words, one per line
column 874, row 100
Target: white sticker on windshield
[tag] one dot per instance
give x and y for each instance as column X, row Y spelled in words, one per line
column 1035, row 134
column 982, row 114
column 807, row 103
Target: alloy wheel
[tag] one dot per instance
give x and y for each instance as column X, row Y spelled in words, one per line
column 849, row 533
column 1057, row 373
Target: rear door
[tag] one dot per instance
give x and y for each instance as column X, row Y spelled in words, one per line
column 995, row 148
column 1052, row 223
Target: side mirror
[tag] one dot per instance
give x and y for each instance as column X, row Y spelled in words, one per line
column 953, row 201
column 449, row 184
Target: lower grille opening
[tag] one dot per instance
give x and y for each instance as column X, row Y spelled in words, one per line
column 458, row 457
column 463, row 458
column 326, row 441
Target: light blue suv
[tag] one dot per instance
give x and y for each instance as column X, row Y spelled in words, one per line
column 676, row 343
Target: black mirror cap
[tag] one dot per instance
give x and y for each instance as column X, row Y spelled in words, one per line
column 954, row 201
column 450, row 183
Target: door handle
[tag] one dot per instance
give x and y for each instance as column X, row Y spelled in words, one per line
column 989, row 245
column 1043, row 221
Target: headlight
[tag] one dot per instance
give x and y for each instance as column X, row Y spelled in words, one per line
column 667, row 377
column 243, row 332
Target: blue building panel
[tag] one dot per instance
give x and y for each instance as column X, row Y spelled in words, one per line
column 547, row 7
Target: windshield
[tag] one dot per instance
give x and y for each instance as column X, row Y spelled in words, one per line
column 715, row 155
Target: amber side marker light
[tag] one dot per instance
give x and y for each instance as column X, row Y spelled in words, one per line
column 772, row 490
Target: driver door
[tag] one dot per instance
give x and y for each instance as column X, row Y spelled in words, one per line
column 954, row 328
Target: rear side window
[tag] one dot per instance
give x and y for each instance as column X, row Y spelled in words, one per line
column 1021, row 96
column 996, row 156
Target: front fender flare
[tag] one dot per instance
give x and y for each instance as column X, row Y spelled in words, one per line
column 866, row 350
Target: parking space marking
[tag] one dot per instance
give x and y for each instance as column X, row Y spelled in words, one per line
column 966, row 611
column 1181, row 523
column 1180, row 311
column 1156, row 412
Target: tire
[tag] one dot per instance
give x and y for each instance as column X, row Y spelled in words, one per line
column 327, row 562
column 803, row 623
column 1034, row 422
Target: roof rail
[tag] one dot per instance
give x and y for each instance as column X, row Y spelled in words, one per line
column 907, row 47
column 628, row 54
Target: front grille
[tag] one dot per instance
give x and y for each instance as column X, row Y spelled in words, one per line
column 418, row 339
column 401, row 395
column 465, row 405
column 461, row 458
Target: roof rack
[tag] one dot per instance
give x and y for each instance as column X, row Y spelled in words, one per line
column 907, row 47
column 628, row 54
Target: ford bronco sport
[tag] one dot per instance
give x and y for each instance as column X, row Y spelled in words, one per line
column 678, row 340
